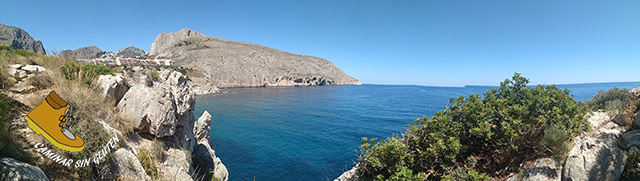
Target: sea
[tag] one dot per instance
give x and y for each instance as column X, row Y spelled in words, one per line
column 313, row 133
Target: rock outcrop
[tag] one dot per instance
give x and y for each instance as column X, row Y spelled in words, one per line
column 204, row 153
column 113, row 86
column 19, row 74
column 163, row 108
column 126, row 166
column 17, row 38
column 130, row 52
column 596, row 155
column 349, row 175
column 11, row 169
column 545, row 169
column 82, row 52
column 240, row 64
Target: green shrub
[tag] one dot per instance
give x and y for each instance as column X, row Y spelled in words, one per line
column 609, row 100
column 503, row 128
column 465, row 172
column 148, row 162
column 25, row 53
column 154, row 75
column 87, row 72
column 5, row 47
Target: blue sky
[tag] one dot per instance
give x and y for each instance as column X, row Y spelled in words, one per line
column 438, row 43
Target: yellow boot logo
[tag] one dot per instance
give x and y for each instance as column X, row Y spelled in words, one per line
column 50, row 119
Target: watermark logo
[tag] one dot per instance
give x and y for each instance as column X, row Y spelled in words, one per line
column 50, row 119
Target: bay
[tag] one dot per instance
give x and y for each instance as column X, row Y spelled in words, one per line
column 312, row 133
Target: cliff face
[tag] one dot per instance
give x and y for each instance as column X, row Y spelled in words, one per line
column 19, row 39
column 82, row 52
column 240, row 64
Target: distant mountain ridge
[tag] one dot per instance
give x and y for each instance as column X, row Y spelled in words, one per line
column 93, row 51
column 18, row 38
column 241, row 64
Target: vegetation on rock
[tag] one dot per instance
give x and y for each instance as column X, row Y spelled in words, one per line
column 609, row 100
column 478, row 136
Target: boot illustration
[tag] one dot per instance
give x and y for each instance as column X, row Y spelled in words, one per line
column 50, row 120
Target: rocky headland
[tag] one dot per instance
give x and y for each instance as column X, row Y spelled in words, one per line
column 241, row 64
column 17, row 38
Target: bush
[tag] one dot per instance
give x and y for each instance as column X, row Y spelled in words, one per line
column 40, row 81
column 5, row 47
column 87, row 72
column 148, row 162
column 25, row 53
column 503, row 128
column 609, row 100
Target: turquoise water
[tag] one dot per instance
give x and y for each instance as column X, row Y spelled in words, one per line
column 311, row 133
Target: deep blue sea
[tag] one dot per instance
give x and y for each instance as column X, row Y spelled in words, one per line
column 312, row 133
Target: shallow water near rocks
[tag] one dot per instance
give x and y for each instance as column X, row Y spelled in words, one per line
column 312, row 133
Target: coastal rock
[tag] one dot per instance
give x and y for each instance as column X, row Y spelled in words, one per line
column 163, row 108
column 206, row 160
column 204, row 153
column 202, row 128
column 598, row 118
column 239, row 64
column 126, row 165
column 544, row 170
column 632, row 138
column 349, row 175
column 176, row 165
column 594, row 159
column 11, row 169
column 82, row 52
column 130, row 52
column 18, row 38
column 113, row 86
column 33, row 69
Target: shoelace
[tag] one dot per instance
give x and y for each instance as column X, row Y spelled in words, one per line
column 64, row 119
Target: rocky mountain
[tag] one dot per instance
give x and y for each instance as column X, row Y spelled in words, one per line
column 240, row 64
column 82, row 52
column 19, row 39
column 130, row 52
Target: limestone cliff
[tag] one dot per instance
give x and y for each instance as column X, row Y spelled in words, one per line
column 240, row 64
column 19, row 39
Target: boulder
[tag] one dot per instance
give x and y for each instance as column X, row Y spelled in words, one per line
column 22, row 88
column 632, row 138
column 11, row 169
column 594, row 159
column 163, row 108
column 598, row 118
column 543, row 170
column 15, row 66
column 176, row 165
column 113, row 86
column 349, row 175
column 33, row 69
column 20, row 74
column 126, row 165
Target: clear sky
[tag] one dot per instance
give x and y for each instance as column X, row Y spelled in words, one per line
column 438, row 43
